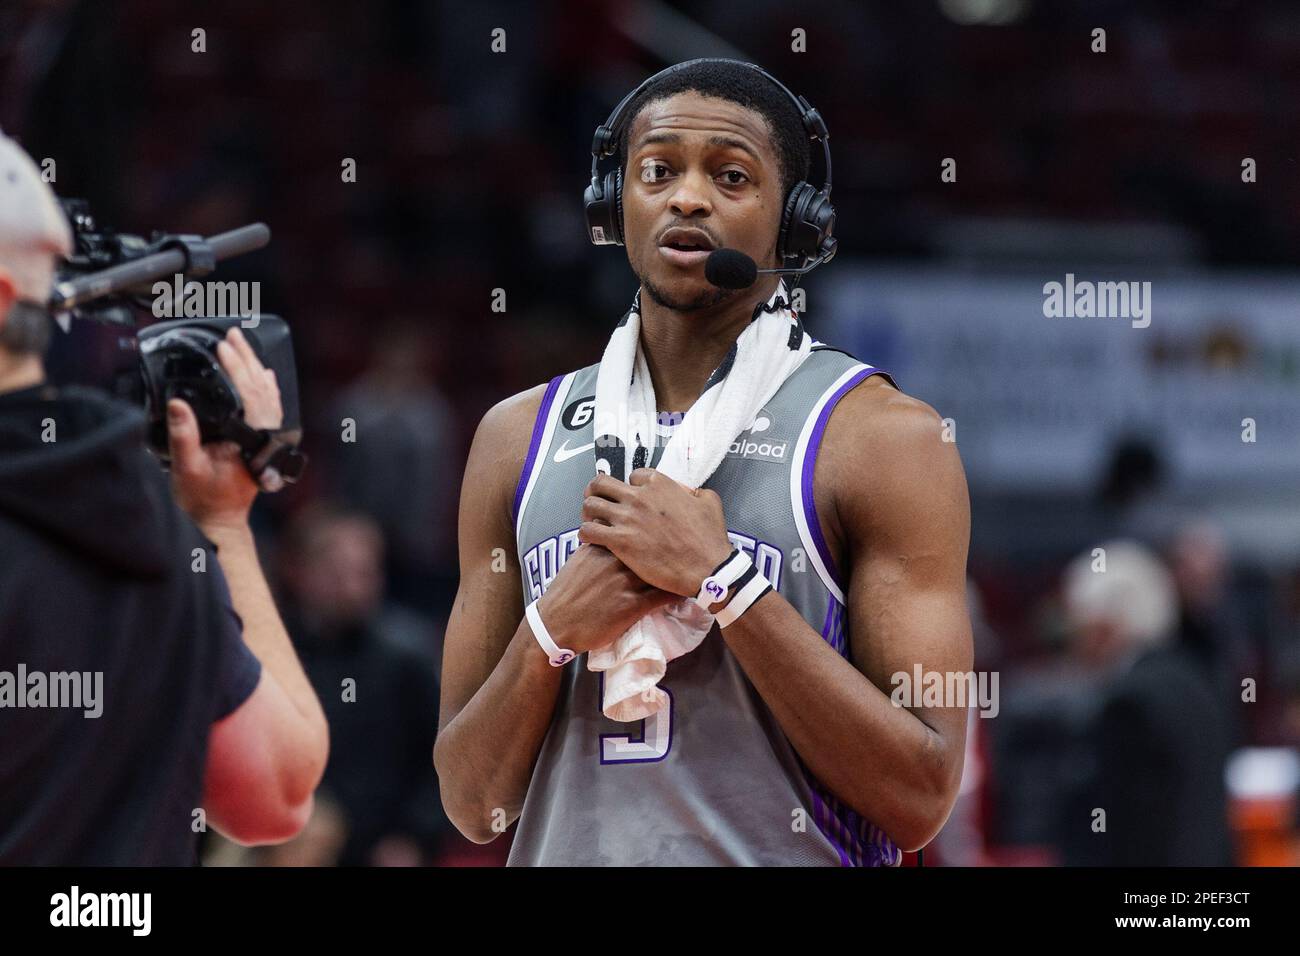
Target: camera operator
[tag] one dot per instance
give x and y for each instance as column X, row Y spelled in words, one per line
column 133, row 712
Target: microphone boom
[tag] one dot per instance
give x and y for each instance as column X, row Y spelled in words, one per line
column 732, row 269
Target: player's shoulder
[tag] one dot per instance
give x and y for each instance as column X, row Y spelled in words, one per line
column 876, row 402
column 497, row 454
column 882, row 448
column 877, row 414
column 511, row 418
column 875, row 419
column 510, row 422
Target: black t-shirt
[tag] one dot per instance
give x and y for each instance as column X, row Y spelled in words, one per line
column 113, row 603
column 238, row 671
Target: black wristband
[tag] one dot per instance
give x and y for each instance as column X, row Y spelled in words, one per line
column 740, row 583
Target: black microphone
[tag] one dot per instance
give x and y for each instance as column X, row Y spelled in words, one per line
column 732, row 269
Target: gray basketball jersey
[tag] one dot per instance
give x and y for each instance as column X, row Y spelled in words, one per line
column 711, row 778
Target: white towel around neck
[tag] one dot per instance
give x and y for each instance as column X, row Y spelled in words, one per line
column 770, row 348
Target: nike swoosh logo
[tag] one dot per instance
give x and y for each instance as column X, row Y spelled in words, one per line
column 564, row 452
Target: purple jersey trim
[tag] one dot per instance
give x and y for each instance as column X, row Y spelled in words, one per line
column 810, row 462
column 539, row 426
column 857, row 841
column 833, row 629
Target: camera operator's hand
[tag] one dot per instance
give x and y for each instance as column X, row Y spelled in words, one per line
column 210, row 481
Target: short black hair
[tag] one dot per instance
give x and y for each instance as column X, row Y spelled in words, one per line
column 742, row 85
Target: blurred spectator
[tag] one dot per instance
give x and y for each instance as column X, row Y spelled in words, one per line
column 1038, row 753
column 373, row 666
column 400, row 468
column 1133, row 498
column 1158, row 745
column 1208, row 626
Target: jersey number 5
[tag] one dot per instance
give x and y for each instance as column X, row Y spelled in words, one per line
column 653, row 744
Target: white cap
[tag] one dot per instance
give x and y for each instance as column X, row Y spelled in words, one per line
column 33, row 229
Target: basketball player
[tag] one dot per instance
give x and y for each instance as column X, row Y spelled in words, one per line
column 779, row 743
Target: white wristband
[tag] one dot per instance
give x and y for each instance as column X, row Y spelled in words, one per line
column 714, row 588
column 558, row 656
column 754, row 589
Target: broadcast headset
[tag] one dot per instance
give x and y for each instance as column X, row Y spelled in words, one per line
column 807, row 222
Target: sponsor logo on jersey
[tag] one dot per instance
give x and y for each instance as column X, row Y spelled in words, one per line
column 756, row 443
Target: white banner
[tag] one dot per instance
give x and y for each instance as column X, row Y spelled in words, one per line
column 1040, row 394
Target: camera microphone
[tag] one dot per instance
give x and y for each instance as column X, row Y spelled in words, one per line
column 179, row 254
column 732, row 269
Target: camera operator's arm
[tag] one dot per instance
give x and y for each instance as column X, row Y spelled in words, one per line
column 266, row 758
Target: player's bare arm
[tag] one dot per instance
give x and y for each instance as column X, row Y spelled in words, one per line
column 892, row 500
column 498, row 687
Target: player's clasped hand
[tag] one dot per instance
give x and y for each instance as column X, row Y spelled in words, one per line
column 671, row 536
column 594, row 598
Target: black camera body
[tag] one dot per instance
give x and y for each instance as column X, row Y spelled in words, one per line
column 178, row 358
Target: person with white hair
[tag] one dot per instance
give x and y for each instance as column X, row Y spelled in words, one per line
column 1120, row 600
column 142, row 697
column 1154, row 793
column 33, row 232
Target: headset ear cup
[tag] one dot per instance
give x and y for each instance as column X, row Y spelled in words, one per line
column 808, row 222
column 618, row 204
column 820, row 217
column 604, row 211
column 828, row 232
column 602, row 221
column 790, row 242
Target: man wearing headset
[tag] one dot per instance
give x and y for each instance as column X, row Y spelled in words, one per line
column 781, row 744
